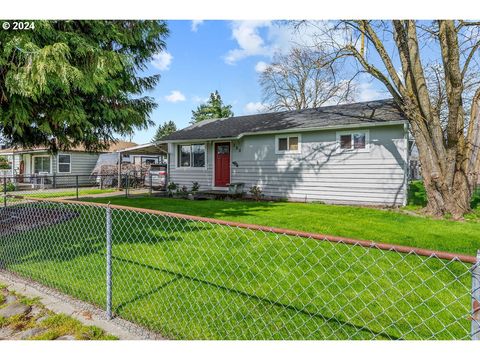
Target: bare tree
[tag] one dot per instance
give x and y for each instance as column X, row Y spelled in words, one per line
column 303, row 78
column 399, row 55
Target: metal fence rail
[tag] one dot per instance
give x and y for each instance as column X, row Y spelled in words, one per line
column 192, row 278
column 73, row 186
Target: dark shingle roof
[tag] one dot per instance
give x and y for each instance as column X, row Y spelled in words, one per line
column 380, row 111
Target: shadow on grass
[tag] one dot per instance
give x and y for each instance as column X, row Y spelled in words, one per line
column 240, row 293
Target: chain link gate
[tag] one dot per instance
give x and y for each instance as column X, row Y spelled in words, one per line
column 192, row 278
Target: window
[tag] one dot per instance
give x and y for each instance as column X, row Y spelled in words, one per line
column 41, row 164
column 357, row 140
column 184, row 155
column 198, row 155
column 191, row 155
column 64, row 163
column 288, row 144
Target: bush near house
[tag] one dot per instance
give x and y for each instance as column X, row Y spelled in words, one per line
column 4, row 165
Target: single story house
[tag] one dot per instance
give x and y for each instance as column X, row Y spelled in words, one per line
column 27, row 164
column 347, row 154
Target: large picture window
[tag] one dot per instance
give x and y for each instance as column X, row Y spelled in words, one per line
column 191, row 155
column 41, row 164
column 64, row 163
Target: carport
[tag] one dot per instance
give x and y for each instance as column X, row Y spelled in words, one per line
column 154, row 149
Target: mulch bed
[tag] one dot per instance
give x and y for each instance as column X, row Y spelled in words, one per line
column 21, row 218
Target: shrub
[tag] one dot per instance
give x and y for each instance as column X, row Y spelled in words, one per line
column 10, row 187
column 256, row 192
column 417, row 194
column 4, row 165
column 171, row 187
column 195, row 187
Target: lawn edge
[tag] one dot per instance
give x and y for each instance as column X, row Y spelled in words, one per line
column 316, row 236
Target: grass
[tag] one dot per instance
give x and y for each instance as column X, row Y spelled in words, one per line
column 388, row 226
column 53, row 326
column 58, row 325
column 200, row 281
column 68, row 193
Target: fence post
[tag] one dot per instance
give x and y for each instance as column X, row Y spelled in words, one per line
column 126, row 185
column 4, row 191
column 151, row 185
column 476, row 299
column 76, row 183
column 109, row 261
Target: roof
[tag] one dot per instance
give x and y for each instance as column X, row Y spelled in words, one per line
column 118, row 145
column 153, row 148
column 361, row 114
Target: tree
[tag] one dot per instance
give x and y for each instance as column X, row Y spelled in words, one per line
column 212, row 109
column 398, row 54
column 70, row 83
column 164, row 129
column 301, row 79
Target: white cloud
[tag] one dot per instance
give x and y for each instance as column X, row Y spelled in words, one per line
column 199, row 99
column 264, row 38
column 250, row 43
column 261, row 66
column 175, row 96
column 367, row 92
column 162, row 60
column 196, row 24
column 255, row 107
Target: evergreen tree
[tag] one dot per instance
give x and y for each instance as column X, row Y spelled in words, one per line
column 212, row 109
column 164, row 129
column 69, row 83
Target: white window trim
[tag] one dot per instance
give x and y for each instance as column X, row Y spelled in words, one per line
column 351, row 133
column 288, row 136
column 36, row 156
column 191, row 156
column 69, row 163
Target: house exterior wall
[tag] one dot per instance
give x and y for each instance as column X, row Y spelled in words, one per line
column 186, row 175
column 319, row 172
column 81, row 163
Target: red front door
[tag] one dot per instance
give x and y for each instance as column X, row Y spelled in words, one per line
column 222, row 164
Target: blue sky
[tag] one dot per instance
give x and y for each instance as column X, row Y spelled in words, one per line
column 202, row 57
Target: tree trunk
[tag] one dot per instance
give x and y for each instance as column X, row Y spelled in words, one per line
column 446, row 194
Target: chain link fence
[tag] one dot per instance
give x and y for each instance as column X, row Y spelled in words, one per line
column 75, row 186
column 191, row 278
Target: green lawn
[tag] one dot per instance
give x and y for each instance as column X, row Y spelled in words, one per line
column 190, row 280
column 67, row 193
column 387, row 226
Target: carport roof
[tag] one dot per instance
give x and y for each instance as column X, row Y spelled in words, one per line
column 154, row 149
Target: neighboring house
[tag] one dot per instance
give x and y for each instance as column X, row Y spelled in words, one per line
column 349, row 154
column 27, row 164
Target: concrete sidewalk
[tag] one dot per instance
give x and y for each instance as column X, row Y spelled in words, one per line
column 82, row 311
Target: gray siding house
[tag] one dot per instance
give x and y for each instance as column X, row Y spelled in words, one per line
column 346, row 154
column 26, row 164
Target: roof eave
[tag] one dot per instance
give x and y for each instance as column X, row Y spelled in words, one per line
column 294, row 130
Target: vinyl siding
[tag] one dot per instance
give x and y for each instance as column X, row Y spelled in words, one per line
column 319, row 172
column 186, row 175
